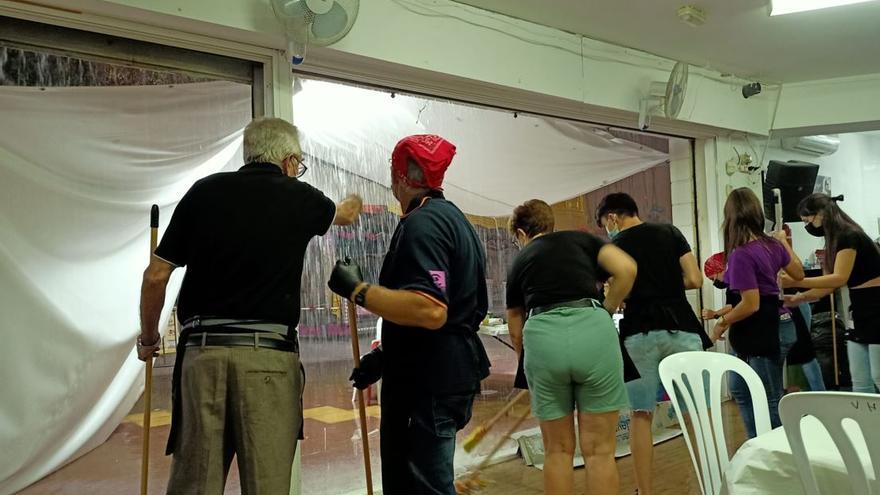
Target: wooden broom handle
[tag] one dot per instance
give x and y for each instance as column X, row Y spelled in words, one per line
column 148, row 370
column 362, row 410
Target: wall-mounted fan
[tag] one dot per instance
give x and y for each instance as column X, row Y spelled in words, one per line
column 665, row 98
column 314, row 22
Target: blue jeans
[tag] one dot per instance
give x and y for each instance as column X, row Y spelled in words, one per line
column 417, row 440
column 769, row 369
column 813, row 374
column 646, row 351
column 864, row 366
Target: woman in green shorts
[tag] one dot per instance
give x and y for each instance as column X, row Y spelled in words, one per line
column 574, row 356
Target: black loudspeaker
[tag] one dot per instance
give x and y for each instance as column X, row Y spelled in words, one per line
column 796, row 180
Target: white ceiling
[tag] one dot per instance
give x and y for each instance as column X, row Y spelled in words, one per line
column 739, row 36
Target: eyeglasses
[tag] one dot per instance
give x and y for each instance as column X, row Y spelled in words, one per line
column 301, row 166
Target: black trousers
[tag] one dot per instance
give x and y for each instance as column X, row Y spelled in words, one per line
column 417, row 440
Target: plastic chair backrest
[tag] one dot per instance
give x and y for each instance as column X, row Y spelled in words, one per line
column 831, row 408
column 685, row 376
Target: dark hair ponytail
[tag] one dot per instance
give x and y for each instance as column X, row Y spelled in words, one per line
column 834, row 220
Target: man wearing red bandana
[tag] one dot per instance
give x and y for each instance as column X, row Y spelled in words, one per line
column 432, row 296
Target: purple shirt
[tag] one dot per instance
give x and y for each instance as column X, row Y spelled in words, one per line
column 755, row 266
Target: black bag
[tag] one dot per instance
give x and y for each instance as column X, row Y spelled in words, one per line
column 824, row 348
column 802, row 352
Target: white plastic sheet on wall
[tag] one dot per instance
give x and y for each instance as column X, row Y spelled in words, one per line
column 79, row 169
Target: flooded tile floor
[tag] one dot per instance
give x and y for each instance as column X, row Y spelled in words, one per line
column 331, row 458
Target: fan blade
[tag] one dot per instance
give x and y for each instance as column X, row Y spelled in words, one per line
column 332, row 24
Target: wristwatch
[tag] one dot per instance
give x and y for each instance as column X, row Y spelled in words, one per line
column 360, row 297
column 141, row 344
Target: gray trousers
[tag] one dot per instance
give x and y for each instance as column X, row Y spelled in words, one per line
column 241, row 401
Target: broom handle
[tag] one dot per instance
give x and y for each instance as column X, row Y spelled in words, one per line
column 501, row 441
column 834, row 340
column 504, row 410
column 148, row 371
column 362, row 410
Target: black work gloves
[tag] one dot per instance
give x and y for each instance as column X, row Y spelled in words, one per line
column 370, row 370
column 345, row 278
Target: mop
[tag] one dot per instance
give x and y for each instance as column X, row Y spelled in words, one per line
column 148, row 377
column 471, row 482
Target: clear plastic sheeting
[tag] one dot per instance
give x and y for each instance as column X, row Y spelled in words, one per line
column 79, row 169
column 502, row 160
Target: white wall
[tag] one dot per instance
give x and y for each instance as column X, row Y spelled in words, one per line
column 451, row 38
column 855, row 172
column 681, row 173
column 830, row 106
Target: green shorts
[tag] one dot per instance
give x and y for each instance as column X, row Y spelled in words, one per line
column 573, row 358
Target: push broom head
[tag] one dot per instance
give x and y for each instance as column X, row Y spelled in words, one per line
column 470, row 484
column 474, row 438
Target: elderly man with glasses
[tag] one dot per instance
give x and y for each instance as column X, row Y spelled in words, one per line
column 237, row 383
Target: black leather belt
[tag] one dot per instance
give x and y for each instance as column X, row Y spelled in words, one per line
column 207, row 339
column 580, row 303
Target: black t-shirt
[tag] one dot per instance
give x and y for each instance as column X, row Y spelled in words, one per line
column 436, row 252
column 242, row 236
column 867, row 262
column 657, row 300
column 555, row 268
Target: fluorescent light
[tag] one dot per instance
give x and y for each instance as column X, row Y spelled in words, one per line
column 780, row 7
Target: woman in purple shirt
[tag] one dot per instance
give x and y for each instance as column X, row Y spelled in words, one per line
column 754, row 261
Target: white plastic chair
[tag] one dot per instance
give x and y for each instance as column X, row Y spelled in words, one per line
column 685, row 375
column 831, row 408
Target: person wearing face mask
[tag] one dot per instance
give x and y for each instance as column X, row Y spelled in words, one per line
column 574, row 359
column 657, row 319
column 852, row 259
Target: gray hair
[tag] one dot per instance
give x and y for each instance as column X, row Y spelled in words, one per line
column 270, row 140
column 414, row 173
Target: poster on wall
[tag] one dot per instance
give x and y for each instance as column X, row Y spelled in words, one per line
column 823, row 184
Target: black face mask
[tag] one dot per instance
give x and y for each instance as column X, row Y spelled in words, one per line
column 719, row 284
column 815, row 231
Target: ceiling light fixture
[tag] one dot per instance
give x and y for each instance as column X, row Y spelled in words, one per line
column 781, row 7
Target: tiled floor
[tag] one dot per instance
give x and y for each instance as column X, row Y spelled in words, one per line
column 332, row 461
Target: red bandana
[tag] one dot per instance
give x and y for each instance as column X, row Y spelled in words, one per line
column 714, row 265
column 432, row 153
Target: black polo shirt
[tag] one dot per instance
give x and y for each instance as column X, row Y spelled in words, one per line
column 242, row 237
column 436, row 252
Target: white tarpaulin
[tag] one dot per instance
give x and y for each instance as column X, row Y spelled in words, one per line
column 501, row 160
column 79, row 169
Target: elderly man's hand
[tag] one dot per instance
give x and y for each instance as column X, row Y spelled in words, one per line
column 148, row 346
column 345, row 278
